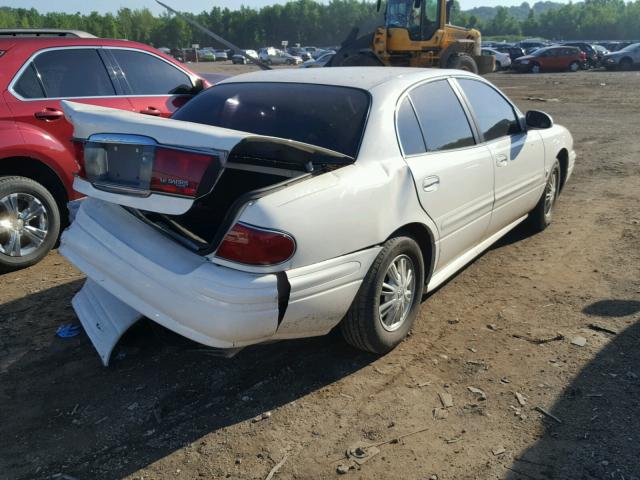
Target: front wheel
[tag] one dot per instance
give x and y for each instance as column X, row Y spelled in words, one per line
column 29, row 223
column 388, row 300
column 540, row 217
column 535, row 68
column 574, row 66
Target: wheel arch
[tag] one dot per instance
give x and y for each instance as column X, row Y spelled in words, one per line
column 426, row 241
column 38, row 171
column 563, row 158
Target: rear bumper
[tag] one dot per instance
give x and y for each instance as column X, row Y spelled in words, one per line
column 217, row 306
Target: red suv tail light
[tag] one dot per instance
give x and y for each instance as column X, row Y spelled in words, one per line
column 255, row 246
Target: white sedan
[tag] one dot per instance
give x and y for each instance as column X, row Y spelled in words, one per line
column 281, row 204
column 503, row 60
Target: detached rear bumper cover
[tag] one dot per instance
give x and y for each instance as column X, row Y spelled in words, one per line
column 136, row 271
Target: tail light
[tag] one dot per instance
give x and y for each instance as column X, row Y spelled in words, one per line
column 255, row 246
column 133, row 165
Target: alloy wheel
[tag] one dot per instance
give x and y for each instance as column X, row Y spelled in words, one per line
column 398, row 292
column 551, row 192
column 24, row 224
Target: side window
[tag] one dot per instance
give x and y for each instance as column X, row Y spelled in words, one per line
column 409, row 130
column 148, row 75
column 73, row 72
column 495, row 116
column 443, row 121
column 28, row 85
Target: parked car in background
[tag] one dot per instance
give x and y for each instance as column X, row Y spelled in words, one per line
column 557, row 58
column 299, row 52
column 236, row 58
column 624, row 59
column 590, row 53
column 206, row 55
column 220, row 55
column 273, row 56
column 321, row 61
column 502, row 60
column 513, row 51
column 302, row 213
column 37, row 157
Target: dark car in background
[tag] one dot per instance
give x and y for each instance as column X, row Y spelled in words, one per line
column 37, row 155
column 591, row 54
column 547, row 59
column 512, row 50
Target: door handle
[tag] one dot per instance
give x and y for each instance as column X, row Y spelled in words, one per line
column 502, row 160
column 49, row 114
column 431, row 184
column 151, row 111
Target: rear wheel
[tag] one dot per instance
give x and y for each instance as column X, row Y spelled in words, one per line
column 388, row 300
column 535, row 68
column 540, row 217
column 574, row 66
column 462, row 61
column 29, row 222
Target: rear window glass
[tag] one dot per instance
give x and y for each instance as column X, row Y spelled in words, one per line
column 327, row 116
column 28, row 86
column 73, row 72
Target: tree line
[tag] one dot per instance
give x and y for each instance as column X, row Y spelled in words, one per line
column 312, row 23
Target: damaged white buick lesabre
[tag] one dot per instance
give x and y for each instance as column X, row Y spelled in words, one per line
column 280, row 204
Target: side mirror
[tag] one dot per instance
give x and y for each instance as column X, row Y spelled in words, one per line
column 538, row 119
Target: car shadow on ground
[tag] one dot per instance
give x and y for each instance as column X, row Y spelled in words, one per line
column 62, row 412
column 600, row 414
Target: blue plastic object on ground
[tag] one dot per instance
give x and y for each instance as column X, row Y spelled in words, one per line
column 69, row 330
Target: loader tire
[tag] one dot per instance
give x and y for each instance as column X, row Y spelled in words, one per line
column 462, row 61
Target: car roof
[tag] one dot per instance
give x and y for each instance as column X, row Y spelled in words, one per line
column 37, row 43
column 365, row 78
column 43, row 32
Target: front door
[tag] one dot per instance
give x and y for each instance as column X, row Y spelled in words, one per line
column 152, row 85
column 453, row 175
column 518, row 155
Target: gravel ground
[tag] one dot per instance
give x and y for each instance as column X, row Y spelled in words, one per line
column 168, row 408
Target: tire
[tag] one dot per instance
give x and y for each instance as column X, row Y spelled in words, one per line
column 535, row 68
column 462, row 61
column 540, row 217
column 364, row 327
column 24, row 243
column 290, row 62
column 626, row 64
column 574, row 66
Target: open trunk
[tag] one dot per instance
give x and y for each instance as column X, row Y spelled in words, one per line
column 190, row 180
column 204, row 225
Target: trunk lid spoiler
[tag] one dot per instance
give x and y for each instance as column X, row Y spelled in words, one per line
column 119, row 126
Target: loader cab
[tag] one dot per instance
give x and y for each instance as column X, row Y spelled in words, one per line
column 421, row 18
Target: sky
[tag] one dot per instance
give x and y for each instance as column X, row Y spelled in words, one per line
column 196, row 6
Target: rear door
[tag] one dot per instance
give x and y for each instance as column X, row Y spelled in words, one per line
column 153, row 85
column 453, row 175
column 518, row 156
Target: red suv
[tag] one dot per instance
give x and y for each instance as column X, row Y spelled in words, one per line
column 37, row 160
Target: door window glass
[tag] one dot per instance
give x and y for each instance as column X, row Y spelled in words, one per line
column 149, row 75
column 73, row 72
column 495, row 116
column 409, row 130
column 443, row 121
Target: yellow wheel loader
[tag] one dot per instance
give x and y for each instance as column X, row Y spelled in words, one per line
column 416, row 33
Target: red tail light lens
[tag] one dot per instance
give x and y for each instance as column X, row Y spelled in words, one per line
column 254, row 246
column 178, row 172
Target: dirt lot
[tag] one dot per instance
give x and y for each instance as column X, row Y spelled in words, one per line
column 169, row 409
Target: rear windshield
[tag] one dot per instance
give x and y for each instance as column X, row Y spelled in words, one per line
column 327, row 116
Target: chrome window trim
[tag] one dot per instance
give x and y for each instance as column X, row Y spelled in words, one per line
column 26, row 64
